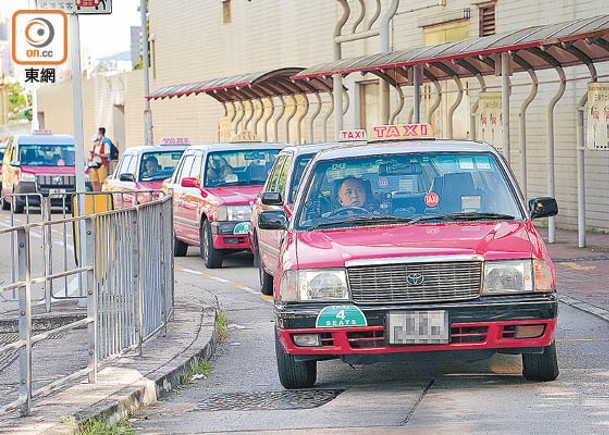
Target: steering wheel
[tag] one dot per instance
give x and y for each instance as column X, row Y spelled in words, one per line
column 346, row 210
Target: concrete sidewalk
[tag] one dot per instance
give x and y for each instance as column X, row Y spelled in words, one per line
column 130, row 382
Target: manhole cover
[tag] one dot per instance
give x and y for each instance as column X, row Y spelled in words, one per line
column 287, row 399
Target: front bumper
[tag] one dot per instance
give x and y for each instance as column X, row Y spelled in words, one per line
column 486, row 323
column 230, row 235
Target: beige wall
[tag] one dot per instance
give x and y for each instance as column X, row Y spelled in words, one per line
column 192, row 44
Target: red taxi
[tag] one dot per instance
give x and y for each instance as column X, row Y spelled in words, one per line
column 401, row 247
column 141, row 170
column 278, row 193
column 213, row 188
column 36, row 164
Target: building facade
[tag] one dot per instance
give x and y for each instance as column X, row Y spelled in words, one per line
column 193, row 41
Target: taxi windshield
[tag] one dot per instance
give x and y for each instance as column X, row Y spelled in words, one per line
column 407, row 189
column 159, row 165
column 238, row 168
column 46, row 155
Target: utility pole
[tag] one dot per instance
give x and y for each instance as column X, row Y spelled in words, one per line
column 148, row 138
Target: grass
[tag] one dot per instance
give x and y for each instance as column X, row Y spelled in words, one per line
column 222, row 324
column 199, row 367
column 96, row 426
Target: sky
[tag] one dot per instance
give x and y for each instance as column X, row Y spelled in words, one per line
column 103, row 35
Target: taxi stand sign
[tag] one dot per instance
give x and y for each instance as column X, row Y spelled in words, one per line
column 401, row 131
column 179, row 140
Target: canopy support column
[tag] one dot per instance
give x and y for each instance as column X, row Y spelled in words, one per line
column 267, row 118
column 474, row 115
column 277, row 119
column 240, row 115
column 249, row 115
column 436, row 102
column 300, row 118
column 505, row 102
column 327, row 117
column 581, row 172
column 416, row 83
column 312, row 118
column 289, row 117
column 257, row 114
column 453, row 108
column 550, row 135
column 522, row 114
column 400, row 105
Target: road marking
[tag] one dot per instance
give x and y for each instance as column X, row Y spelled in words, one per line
column 582, row 340
column 576, row 266
column 224, row 281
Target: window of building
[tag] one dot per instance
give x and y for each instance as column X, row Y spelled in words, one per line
column 446, row 32
column 226, row 11
column 487, row 19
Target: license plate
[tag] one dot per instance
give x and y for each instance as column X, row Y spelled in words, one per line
column 54, row 191
column 418, row 327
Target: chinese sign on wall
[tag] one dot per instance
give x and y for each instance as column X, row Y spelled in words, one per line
column 598, row 116
column 490, row 119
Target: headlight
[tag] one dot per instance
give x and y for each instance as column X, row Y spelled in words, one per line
column 234, row 213
column 27, row 177
column 307, row 285
column 543, row 279
column 507, row 277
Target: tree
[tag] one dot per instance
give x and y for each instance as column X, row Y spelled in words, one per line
column 18, row 99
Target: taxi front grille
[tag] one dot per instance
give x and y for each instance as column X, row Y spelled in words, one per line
column 415, row 282
column 55, row 181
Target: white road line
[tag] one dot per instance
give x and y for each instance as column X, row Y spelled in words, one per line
column 221, row 280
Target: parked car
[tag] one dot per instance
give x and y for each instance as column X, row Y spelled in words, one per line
column 140, row 171
column 213, row 188
column 41, row 163
column 278, row 194
column 411, row 247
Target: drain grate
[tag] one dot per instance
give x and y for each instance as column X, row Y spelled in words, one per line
column 269, row 400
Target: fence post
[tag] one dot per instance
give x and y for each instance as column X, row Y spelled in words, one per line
column 25, row 320
column 47, row 246
column 92, row 290
column 163, row 280
column 139, row 298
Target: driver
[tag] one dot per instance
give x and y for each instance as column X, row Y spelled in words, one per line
column 152, row 166
column 352, row 192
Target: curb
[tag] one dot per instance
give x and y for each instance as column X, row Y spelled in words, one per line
column 586, row 307
column 42, row 322
column 154, row 386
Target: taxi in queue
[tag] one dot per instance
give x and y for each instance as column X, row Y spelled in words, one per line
column 38, row 163
column 213, row 188
column 141, row 171
column 412, row 246
column 278, row 193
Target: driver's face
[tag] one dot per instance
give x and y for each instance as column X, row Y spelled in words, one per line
column 151, row 166
column 351, row 194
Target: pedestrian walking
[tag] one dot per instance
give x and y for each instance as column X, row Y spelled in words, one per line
column 98, row 170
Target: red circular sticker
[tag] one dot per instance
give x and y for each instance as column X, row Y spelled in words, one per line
column 383, row 182
column 432, row 199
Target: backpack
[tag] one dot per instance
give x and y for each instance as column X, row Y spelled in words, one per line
column 113, row 151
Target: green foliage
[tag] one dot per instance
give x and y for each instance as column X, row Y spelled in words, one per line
column 222, row 324
column 199, row 366
column 96, row 426
column 18, row 100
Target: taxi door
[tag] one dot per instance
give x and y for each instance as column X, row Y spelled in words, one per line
column 181, row 223
column 192, row 201
column 127, row 167
column 269, row 241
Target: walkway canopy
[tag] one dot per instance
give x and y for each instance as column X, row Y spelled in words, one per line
column 275, row 83
column 583, row 41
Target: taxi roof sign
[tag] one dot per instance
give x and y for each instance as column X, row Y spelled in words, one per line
column 245, row 136
column 179, row 140
column 401, row 131
column 349, row 135
column 42, row 132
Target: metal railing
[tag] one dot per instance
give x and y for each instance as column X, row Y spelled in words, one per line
column 123, row 269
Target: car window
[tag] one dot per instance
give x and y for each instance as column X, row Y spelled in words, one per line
column 158, row 165
column 195, row 171
column 130, row 166
column 186, row 167
column 239, row 167
column 299, row 167
column 271, row 183
column 407, row 186
column 283, row 177
column 46, row 155
column 122, row 164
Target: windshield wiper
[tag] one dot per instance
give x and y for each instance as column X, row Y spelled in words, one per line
column 464, row 216
column 362, row 220
column 233, row 183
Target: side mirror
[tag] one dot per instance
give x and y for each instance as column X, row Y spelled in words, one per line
column 272, row 220
column 189, row 182
column 16, row 164
column 127, row 177
column 271, row 198
column 542, row 207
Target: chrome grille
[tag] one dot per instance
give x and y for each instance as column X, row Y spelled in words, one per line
column 400, row 283
column 56, row 181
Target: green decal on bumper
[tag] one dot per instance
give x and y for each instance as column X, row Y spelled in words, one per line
column 242, row 228
column 340, row 316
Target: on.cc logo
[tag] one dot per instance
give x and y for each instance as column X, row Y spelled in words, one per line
column 39, row 32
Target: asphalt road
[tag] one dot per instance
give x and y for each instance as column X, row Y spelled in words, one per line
column 243, row 393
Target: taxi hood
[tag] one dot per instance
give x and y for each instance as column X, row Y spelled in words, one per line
column 234, row 195
column 492, row 240
column 48, row 170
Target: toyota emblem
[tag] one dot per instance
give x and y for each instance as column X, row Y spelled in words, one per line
column 57, row 180
column 413, row 279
